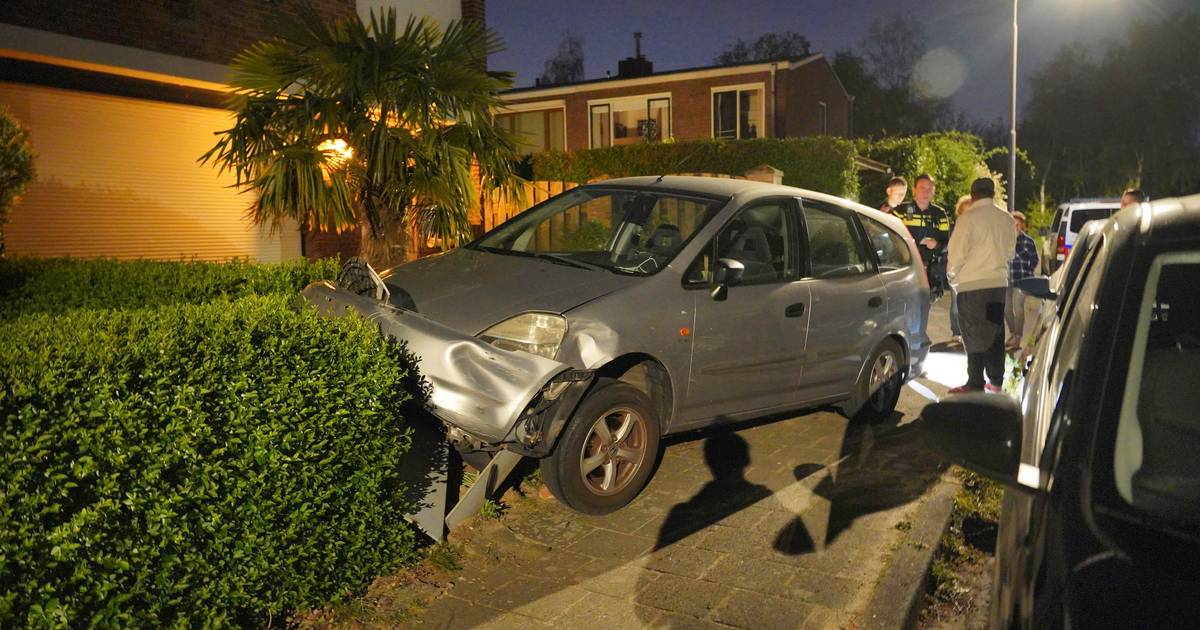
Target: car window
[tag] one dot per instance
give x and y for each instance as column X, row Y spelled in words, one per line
column 834, row 248
column 629, row 231
column 759, row 237
column 1158, row 433
column 1077, row 308
column 1080, row 217
column 890, row 248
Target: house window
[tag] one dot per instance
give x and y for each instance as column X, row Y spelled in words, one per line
column 630, row 121
column 537, row 131
column 823, row 117
column 737, row 113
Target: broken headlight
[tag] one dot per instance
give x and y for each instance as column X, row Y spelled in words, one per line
column 535, row 333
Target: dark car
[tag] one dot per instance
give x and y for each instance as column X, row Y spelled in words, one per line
column 1101, row 457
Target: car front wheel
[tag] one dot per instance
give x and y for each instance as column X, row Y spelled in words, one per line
column 607, row 451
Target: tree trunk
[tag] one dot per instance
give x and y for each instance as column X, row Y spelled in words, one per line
column 392, row 246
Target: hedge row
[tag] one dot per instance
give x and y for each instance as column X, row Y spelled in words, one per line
column 954, row 159
column 200, row 465
column 55, row 285
column 822, row 163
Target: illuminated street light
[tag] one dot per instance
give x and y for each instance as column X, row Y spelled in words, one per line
column 1012, row 131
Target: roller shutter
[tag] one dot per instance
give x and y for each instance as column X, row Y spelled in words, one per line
column 119, row 177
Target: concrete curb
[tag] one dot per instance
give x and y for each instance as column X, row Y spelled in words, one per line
column 900, row 593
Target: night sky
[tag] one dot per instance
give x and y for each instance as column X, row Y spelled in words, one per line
column 972, row 36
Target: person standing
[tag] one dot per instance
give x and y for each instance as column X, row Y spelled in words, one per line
column 983, row 243
column 1133, row 195
column 1024, row 265
column 897, row 189
column 927, row 222
column 963, row 203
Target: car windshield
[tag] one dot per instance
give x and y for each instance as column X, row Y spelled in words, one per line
column 1080, row 217
column 622, row 231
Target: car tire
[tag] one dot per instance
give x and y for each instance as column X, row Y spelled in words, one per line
column 606, row 452
column 878, row 390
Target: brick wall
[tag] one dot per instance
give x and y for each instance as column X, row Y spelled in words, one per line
column 691, row 105
column 211, row 30
column 802, row 90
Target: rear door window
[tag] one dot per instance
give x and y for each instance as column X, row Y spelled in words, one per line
column 834, row 246
column 890, row 248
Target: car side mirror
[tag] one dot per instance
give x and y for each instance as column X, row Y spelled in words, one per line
column 1037, row 286
column 982, row 432
column 728, row 273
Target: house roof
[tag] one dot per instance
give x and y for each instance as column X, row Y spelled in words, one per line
column 659, row 77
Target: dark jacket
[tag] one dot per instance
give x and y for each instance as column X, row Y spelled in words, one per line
column 931, row 222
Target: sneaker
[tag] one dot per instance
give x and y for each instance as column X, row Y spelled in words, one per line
column 963, row 389
column 992, row 389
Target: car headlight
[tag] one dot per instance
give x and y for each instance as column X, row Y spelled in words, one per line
column 535, row 333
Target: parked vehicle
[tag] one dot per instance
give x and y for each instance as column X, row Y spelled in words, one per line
column 1100, row 525
column 1068, row 220
column 587, row 327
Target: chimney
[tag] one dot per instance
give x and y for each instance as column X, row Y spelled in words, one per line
column 637, row 65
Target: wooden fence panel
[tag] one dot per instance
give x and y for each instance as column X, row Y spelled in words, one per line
column 496, row 208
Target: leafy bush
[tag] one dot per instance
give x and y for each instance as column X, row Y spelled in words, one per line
column 16, row 164
column 29, row 285
column 198, row 465
column 954, row 159
column 823, row 163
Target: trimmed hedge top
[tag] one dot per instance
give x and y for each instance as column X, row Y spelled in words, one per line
column 30, row 285
column 821, row 163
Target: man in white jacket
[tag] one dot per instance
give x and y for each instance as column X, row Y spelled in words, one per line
column 977, row 266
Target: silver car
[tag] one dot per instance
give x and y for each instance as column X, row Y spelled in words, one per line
column 589, row 326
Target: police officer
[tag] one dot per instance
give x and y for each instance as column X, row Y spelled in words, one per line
column 930, row 227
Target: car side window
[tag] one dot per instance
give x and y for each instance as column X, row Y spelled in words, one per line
column 759, row 237
column 890, row 248
column 834, row 247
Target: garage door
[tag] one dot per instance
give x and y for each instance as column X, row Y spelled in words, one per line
column 118, row 177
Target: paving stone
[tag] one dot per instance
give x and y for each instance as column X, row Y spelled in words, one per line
column 602, row 543
column 752, row 574
column 682, row 560
column 452, row 612
column 623, row 581
column 735, row 540
column 552, row 606
column 682, row 595
column 747, row 609
column 521, row 592
column 827, row 590
column 606, row 613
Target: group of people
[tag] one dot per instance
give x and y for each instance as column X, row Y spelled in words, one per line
column 982, row 259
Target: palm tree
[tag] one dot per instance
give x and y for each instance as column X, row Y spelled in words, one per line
column 344, row 124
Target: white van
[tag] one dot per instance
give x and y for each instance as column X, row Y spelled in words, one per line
column 1069, row 218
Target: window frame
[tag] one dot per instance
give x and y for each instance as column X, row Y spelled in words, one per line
column 823, row 117
column 860, row 235
column 512, row 110
column 793, row 217
column 643, row 99
column 737, row 89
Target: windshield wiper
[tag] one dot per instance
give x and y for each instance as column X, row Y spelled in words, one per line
column 554, row 258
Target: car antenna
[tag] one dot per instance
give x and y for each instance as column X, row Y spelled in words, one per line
column 680, row 162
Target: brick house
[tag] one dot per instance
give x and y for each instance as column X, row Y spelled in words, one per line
column 766, row 99
column 121, row 97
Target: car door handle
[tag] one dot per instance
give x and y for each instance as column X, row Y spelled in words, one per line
column 795, row 310
column 875, row 302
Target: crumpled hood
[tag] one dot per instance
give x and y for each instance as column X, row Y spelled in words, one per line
column 470, row 290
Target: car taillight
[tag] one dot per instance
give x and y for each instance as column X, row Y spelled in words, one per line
column 1062, row 244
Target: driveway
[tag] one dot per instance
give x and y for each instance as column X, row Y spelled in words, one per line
column 785, row 522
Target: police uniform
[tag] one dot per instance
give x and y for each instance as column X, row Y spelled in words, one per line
column 932, row 222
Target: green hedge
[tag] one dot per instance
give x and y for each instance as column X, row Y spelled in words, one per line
column 823, row 163
column 55, row 285
column 954, row 159
column 201, row 465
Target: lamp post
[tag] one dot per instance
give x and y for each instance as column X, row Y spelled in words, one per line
column 1012, row 131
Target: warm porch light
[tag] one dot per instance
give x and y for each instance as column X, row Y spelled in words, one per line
column 336, row 151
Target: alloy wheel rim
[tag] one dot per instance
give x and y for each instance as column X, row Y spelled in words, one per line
column 882, row 378
column 613, row 451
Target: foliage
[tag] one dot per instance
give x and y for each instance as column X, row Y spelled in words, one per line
column 825, row 164
column 771, row 46
column 954, row 159
column 29, row 285
column 197, row 464
column 567, row 65
column 16, row 164
column 879, row 73
column 344, row 122
column 491, row 510
column 1098, row 123
column 446, row 556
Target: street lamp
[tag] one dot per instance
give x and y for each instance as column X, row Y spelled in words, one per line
column 1012, row 131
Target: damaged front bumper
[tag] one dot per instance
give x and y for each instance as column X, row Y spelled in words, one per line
column 489, row 398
